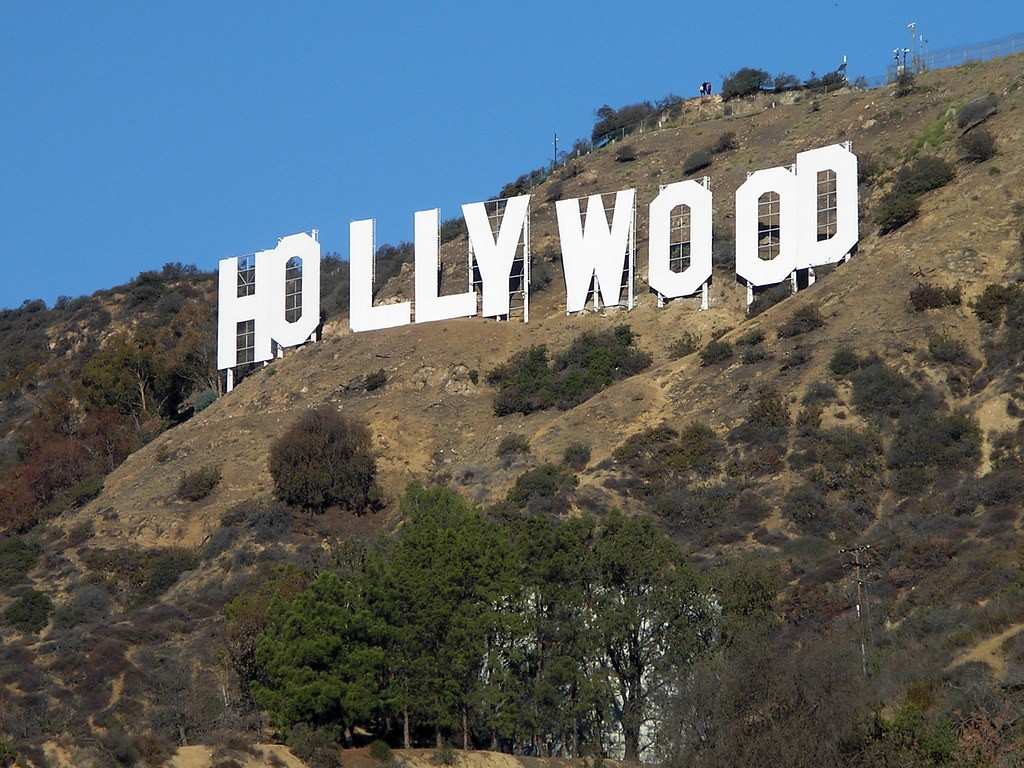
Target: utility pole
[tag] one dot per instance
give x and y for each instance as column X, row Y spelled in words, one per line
column 863, row 618
column 912, row 28
column 554, row 157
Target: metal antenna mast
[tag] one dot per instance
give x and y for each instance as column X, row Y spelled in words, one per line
column 862, row 608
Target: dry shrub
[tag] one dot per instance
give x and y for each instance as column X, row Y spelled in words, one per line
column 325, row 459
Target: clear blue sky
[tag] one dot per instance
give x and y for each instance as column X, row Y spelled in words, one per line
column 136, row 134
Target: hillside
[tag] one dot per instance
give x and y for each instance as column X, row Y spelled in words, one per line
column 818, row 454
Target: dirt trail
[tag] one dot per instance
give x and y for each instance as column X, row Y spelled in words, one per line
column 989, row 651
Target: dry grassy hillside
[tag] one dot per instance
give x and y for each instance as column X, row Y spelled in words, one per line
column 434, row 420
column 431, row 420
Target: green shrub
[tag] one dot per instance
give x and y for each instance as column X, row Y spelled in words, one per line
column 325, row 459
column 976, row 111
column 769, row 298
column 452, row 229
column 204, row 400
column 725, row 143
column 444, row 755
column 143, row 574
column 767, row 420
column 751, row 338
column 697, row 160
column 844, row 361
column 807, row 508
column 625, row 154
column 796, row 358
column 714, row 352
column 868, row 168
column 267, row 519
column 375, row 380
column 381, row 752
column 314, row 746
column 926, row 438
column 198, row 484
column 924, row 174
column 576, row 456
column 513, row 445
column 977, row 146
column 89, row 604
column 991, row 306
column 819, row 392
column 18, row 556
column 686, row 344
column 527, row 382
column 878, row 390
column 8, row 754
column 546, row 489
column 754, row 354
column 949, row 349
column 904, row 84
column 30, row 613
column 928, row 296
column 745, row 82
column 617, row 122
column 894, row 210
column 785, row 82
column 661, row 457
column 804, row 320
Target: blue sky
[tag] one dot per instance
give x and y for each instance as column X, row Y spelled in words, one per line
column 136, row 134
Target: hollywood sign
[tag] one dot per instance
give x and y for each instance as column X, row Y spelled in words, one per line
column 787, row 219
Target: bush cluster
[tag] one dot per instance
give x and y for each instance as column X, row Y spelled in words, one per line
column 929, row 296
column 697, row 160
column 804, row 320
column 901, row 205
column 18, row 556
column 30, row 613
column 879, row 390
column 143, row 575
column 198, row 484
column 625, row 154
column 715, row 351
column 977, row 146
column 976, row 111
column 767, row 420
column 745, row 82
column 769, row 298
column 949, row 349
column 452, row 229
column 529, row 382
column 543, row 490
column 991, row 307
column 660, row 458
column 686, row 344
column 926, row 440
column 325, row 459
column 725, row 143
column 576, row 456
column 924, row 174
column 267, row 519
column 513, row 445
column 894, row 210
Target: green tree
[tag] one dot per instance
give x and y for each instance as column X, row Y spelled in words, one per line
column 439, row 591
column 126, row 375
column 321, row 655
column 563, row 693
column 652, row 619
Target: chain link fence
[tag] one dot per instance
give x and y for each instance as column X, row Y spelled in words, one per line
column 924, row 60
